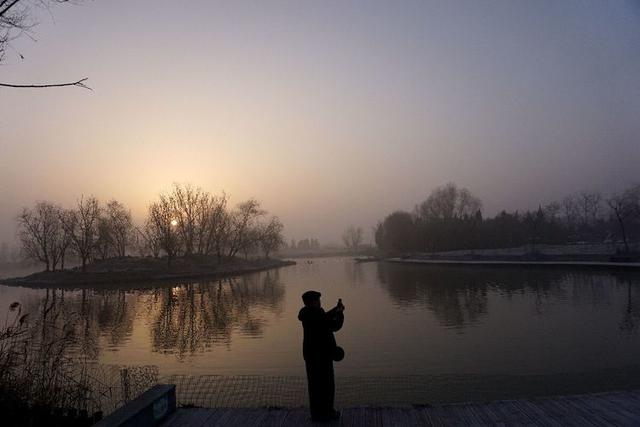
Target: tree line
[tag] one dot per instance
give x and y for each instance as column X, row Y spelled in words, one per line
column 451, row 219
column 187, row 221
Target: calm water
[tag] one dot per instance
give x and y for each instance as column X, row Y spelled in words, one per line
column 400, row 320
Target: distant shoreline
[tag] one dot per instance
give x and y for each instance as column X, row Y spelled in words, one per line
column 630, row 265
column 74, row 278
column 608, row 261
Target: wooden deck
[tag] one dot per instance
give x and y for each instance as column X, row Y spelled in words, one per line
column 602, row 409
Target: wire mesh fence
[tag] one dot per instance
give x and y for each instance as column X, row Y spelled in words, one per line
column 110, row 386
column 215, row 391
column 119, row 384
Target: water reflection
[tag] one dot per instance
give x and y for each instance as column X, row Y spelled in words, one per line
column 88, row 314
column 429, row 320
column 190, row 318
column 459, row 296
column 354, row 273
column 182, row 319
column 631, row 315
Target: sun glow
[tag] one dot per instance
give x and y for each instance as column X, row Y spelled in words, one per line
column 174, row 222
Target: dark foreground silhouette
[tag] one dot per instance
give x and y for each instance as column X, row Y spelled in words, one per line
column 320, row 350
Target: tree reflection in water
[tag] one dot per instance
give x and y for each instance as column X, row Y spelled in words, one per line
column 631, row 315
column 458, row 295
column 89, row 314
column 353, row 272
column 183, row 319
column 190, row 318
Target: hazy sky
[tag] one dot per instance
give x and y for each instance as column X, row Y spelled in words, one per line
column 331, row 113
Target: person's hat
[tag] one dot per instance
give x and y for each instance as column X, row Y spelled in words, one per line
column 310, row 296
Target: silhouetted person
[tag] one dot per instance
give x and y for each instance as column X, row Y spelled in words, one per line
column 319, row 350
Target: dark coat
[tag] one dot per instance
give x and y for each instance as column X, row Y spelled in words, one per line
column 319, row 326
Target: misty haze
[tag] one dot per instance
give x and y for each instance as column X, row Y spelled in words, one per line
column 342, row 213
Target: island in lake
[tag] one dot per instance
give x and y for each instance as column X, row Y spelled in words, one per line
column 130, row 270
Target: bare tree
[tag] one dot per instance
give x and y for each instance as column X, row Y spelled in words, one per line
column 217, row 231
column 625, row 207
column 191, row 221
column 590, row 204
column 251, row 240
column 271, row 238
column 570, row 211
column 190, row 205
column 39, row 230
column 552, row 212
column 449, row 202
column 66, row 240
column 147, row 241
column 162, row 226
column 82, row 225
column 104, row 242
column 352, row 238
column 120, row 227
column 241, row 221
column 201, row 219
column 467, row 205
column 16, row 19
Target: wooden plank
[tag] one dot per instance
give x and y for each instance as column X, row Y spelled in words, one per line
column 494, row 415
column 626, row 402
column 403, row 416
column 602, row 409
column 551, row 411
column 247, row 417
column 372, row 417
column 361, row 416
column 504, row 412
column 603, row 412
column 599, row 411
column 619, row 409
column 480, row 416
column 454, row 416
column 220, row 417
column 433, row 415
column 177, row 419
column 518, row 415
column 564, row 413
column 275, row 417
column 582, row 410
column 437, row 415
column 298, row 417
column 633, row 395
column 196, row 417
column 191, row 417
column 536, row 415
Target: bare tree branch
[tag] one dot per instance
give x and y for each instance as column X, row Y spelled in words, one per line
column 17, row 18
column 79, row 83
column 9, row 6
